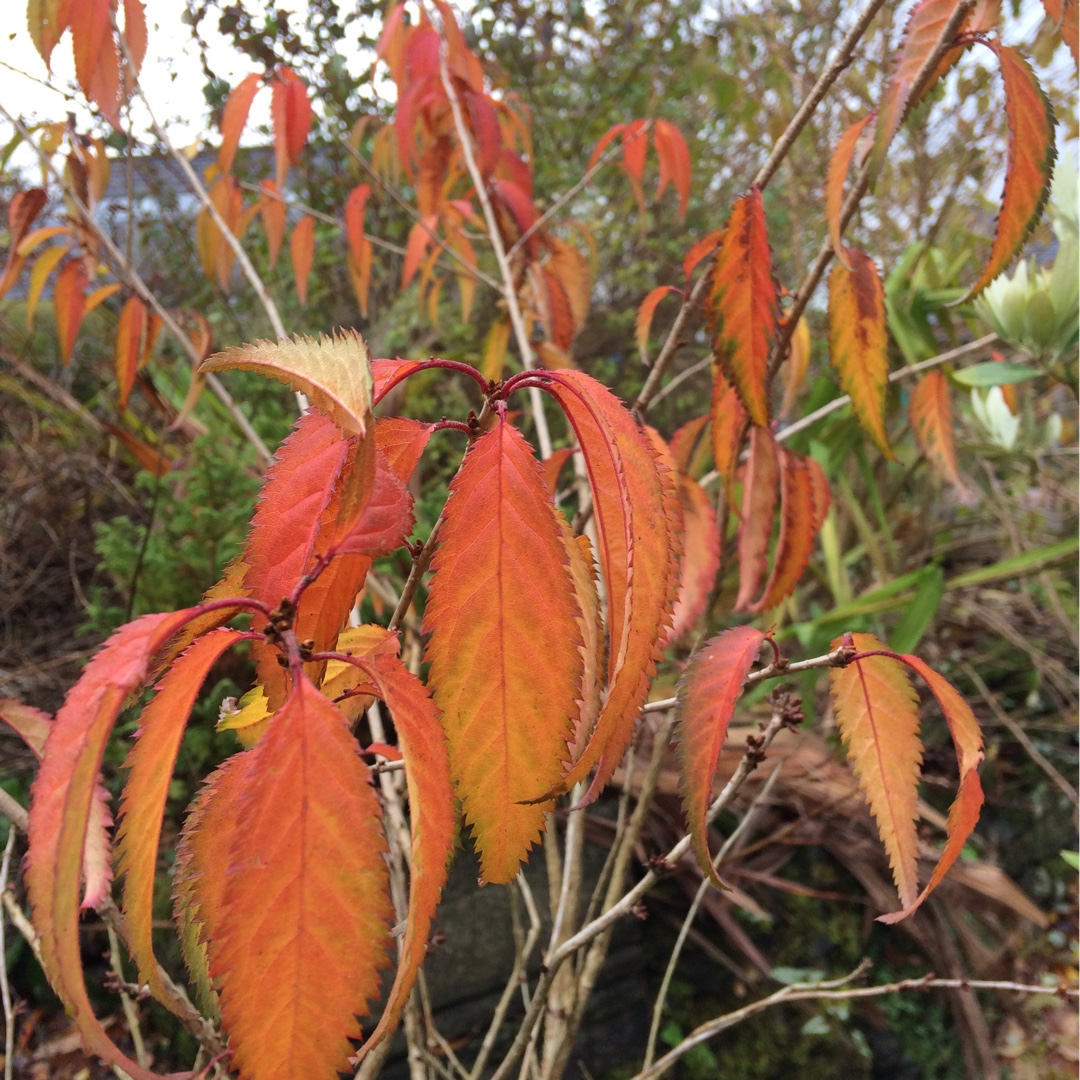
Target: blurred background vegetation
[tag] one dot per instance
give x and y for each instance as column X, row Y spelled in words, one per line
column 984, row 586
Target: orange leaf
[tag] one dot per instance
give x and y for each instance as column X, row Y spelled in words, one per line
column 403, row 441
column 135, row 32
column 705, row 246
column 797, row 365
column 386, row 520
column 964, row 812
column 130, row 337
column 151, row 762
column 924, row 27
column 274, row 214
column 44, row 266
column 758, row 511
column 707, row 695
column 877, row 712
column 674, row 157
column 360, row 274
column 334, row 372
column 858, row 341
column 60, row 810
column 354, row 219
column 690, row 446
column 729, row 423
column 69, row 304
column 839, row 165
column 701, row 557
column 571, row 269
column 634, row 148
column 558, row 316
column 290, row 112
column 302, row 251
column 30, row 724
column 234, row 117
column 516, row 212
column 386, row 374
column 505, row 693
column 798, row 516
column 305, row 913
column 416, row 246
column 742, row 304
column 22, row 210
column 822, row 496
column 606, row 140
column 100, row 295
column 495, row 344
column 553, row 465
column 931, row 419
column 1030, row 162
column 634, row 500
column 96, row 60
column 643, row 321
column 431, row 817
column 47, row 20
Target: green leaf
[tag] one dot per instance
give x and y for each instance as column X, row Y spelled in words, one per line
column 991, row 373
column 1019, row 564
column 919, row 613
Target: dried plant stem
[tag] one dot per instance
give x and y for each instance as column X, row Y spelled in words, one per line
column 128, row 273
column 691, row 914
column 828, row 76
column 5, row 989
column 509, row 291
column 131, row 1014
column 833, row 990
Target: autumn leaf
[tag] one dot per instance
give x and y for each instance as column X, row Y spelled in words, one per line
column 634, row 503
column 234, row 117
column 290, row 113
column 23, row 209
column 634, row 148
column 758, row 512
column 877, row 713
column 705, row 246
column 643, row 321
column 432, row 821
column 334, row 372
column 274, row 216
column 305, row 911
column 302, row 250
column 706, row 703
column 798, row 518
column 47, row 20
column 839, row 165
column 729, row 424
column 858, row 341
column 61, row 801
column 403, row 441
column 674, row 158
column 495, row 345
column 964, row 812
column 742, row 304
column 46, row 263
column 130, row 342
column 506, row 692
column 69, row 304
column 691, row 445
column 701, row 557
column 151, row 762
column 1030, row 161
column 796, row 366
column 931, row 419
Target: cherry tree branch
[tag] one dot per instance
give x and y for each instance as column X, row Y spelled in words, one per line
column 828, row 76
column 128, row 273
column 521, row 334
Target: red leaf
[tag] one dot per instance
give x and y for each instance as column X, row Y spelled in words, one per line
column 518, row 212
column 354, row 220
column 302, row 251
column 931, row 419
column 701, row 557
column 964, row 812
column 605, row 141
column 416, row 246
column 729, row 423
column 839, row 165
column 705, row 246
column 484, row 122
column 69, row 304
column 130, row 341
column 274, row 215
column 431, row 817
column 506, row 695
column 758, row 511
column 403, row 442
column 634, row 500
column 1030, row 162
column 305, row 913
column 877, row 712
column 386, row 374
column 634, row 148
column 645, row 316
column 62, row 798
column 22, row 210
column 858, row 341
column 151, row 762
column 743, row 303
column 290, row 111
column 798, row 516
column 234, row 117
column 560, row 317
column 710, row 688
column 553, row 465
column 386, row 521
column 674, row 157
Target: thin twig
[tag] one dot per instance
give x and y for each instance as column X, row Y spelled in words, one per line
column 978, row 345
column 820, row 88
column 129, row 274
column 824, row 991
column 1021, row 736
column 691, row 914
column 131, row 1014
column 521, row 334
column 5, row 989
